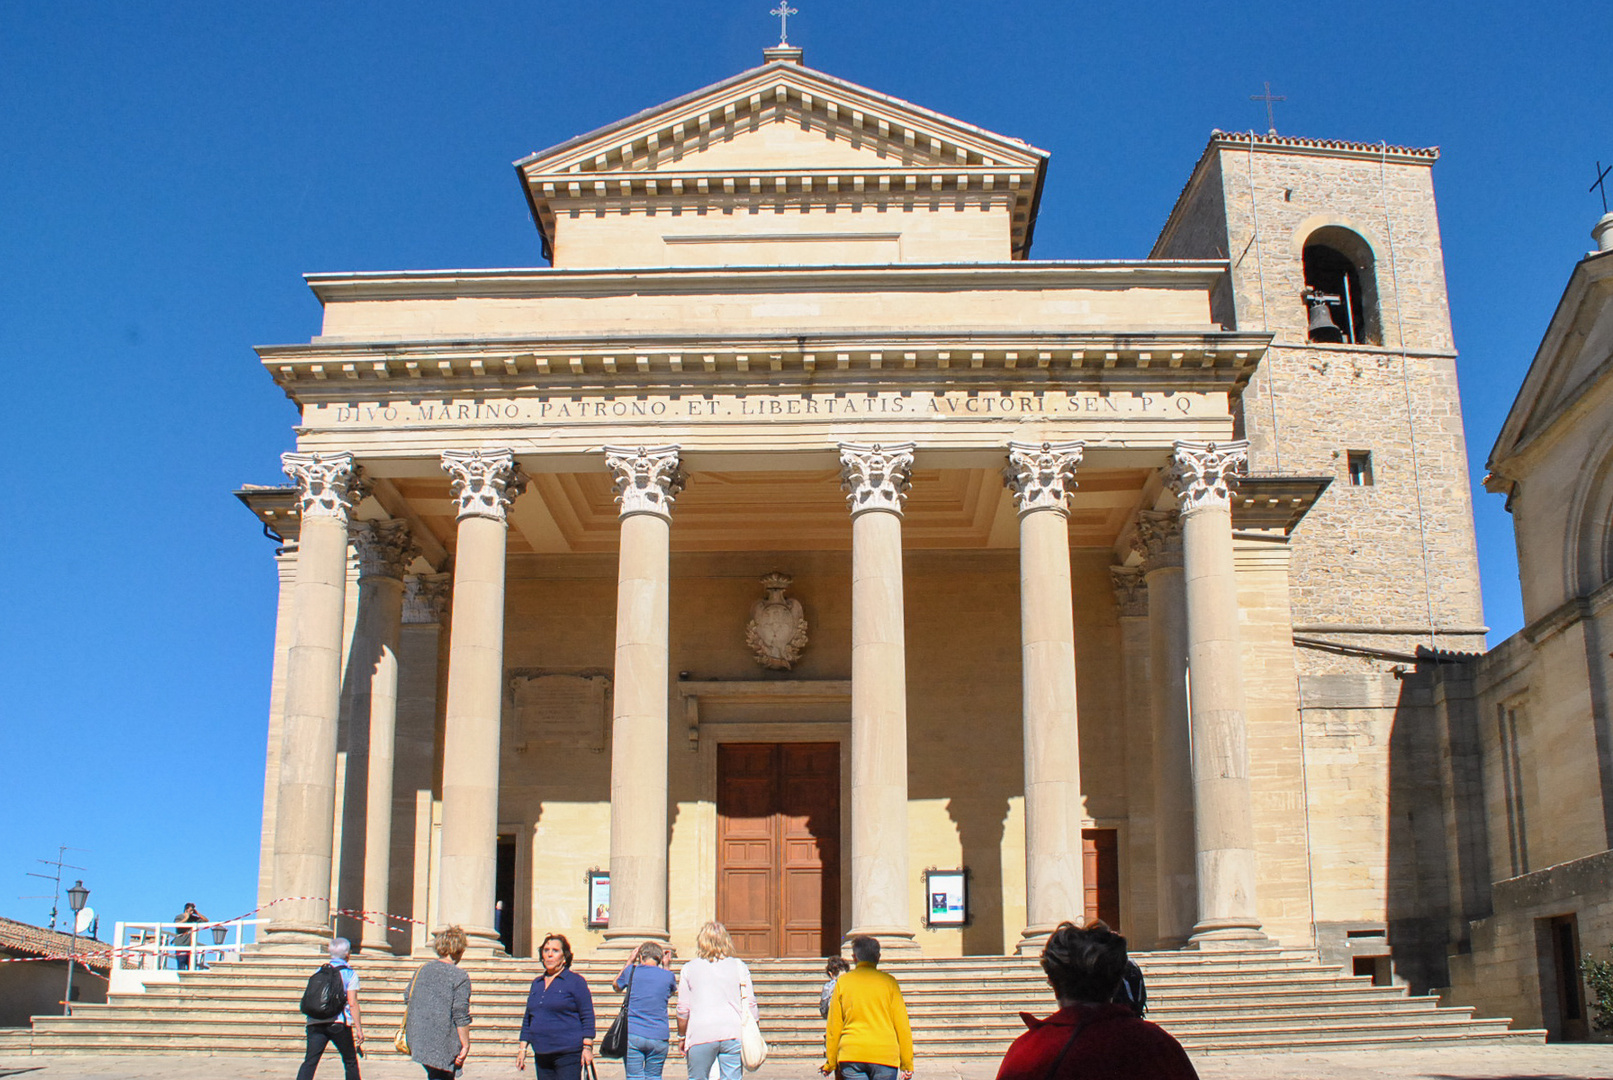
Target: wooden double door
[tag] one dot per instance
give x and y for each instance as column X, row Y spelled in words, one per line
column 778, row 847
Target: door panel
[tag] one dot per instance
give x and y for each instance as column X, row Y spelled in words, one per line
column 778, row 847
column 1100, row 872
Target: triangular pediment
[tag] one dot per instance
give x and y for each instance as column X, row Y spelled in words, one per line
column 1575, row 354
column 782, row 116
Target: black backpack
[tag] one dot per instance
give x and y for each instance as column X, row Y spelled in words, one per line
column 326, row 997
column 1132, row 992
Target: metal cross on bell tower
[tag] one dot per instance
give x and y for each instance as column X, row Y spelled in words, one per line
column 784, row 11
column 1268, row 97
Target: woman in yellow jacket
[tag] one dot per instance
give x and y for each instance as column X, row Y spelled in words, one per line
column 868, row 1037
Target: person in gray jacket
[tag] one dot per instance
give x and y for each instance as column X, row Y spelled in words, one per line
column 437, row 1003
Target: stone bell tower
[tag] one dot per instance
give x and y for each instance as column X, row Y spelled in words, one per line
column 1334, row 249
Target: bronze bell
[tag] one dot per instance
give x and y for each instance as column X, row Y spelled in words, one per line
column 1322, row 327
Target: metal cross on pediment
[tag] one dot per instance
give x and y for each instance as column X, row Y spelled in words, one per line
column 1601, row 183
column 784, row 11
column 1268, row 97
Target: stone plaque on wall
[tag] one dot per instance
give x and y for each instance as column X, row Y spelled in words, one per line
column 561, row 711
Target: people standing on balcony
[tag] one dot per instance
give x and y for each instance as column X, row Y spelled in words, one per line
column 1091, row 1037
column 559, row 1022
column 436, row 1017
column 649, row 987
column 185, row 937
column 868, row 1036
column 714, row 992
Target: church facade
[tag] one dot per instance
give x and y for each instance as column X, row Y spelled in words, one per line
column 797, row 551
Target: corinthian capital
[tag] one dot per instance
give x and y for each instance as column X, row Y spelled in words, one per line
column 425, row 598
column 1131, row 594
column 385, row 548
column 1158, row 538
column 483, row 482
column 647, row 478
column 1202, row 475
column 876, row 477
column 328, row 485
column 1042, row 475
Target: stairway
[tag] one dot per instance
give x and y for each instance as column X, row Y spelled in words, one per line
column 1250, row 1001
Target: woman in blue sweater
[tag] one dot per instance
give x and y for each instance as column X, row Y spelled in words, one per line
column 559, row 1023
column 649, row 985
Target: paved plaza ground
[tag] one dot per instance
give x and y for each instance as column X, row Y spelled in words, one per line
column 1576, row 1062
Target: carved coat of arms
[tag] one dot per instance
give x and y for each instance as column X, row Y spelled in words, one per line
column 778, row 631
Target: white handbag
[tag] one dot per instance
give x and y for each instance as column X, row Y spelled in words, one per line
column 752, row 1047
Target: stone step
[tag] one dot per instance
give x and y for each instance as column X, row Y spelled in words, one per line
column 1265, row 999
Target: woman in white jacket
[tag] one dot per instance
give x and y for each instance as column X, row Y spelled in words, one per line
column 714, row 992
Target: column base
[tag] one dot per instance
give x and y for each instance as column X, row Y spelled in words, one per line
column 481, row 941
column 293, row 939
column 1032, row 940
column 622, row 942
column 1212, row 934
column 893, row 940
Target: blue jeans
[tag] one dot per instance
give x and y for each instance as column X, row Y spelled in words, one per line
column 645, row 1057
column 862, row 1070
column 724, row 1052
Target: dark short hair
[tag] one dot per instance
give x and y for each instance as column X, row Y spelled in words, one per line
column 1084, row 965
column 565, row 947
column 835, row 966
column 865, row 949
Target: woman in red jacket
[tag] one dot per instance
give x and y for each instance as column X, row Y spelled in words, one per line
column 1090, row 1037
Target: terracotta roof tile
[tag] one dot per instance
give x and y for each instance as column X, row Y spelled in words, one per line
column 37, row 941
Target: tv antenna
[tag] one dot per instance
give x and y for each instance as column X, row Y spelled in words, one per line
column 60, row 863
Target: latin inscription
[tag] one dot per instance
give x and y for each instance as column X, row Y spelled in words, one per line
column 719, row 407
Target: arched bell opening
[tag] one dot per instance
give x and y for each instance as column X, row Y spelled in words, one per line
column 1341, row 293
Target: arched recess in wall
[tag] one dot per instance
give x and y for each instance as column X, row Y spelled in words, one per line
column 1589, row 558
column 1341, row 287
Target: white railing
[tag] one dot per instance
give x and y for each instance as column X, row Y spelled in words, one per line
column 148, row 952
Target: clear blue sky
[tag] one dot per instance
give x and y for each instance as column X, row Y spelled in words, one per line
column 167, row 171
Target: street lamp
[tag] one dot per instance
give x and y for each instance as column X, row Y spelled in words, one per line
column 76, row 898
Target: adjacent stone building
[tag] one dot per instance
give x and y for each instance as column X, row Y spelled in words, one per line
column 795, row 538
column 1531, row 723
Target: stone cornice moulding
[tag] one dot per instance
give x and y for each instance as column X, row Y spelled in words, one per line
column 483, row 482
column 540, row 281
column 645, row 480
column 1158, row 361
column 1042, row 475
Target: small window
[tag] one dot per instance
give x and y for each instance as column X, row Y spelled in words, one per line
column 1360, row 464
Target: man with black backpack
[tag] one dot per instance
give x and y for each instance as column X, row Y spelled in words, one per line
column 331, row 1004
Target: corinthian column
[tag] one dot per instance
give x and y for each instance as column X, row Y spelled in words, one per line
column 385, row 549
column 1202, row 475
column 1139, row 906
column 328, row 487
column 1159, row 541
column 484, row 483
column 876, row 479
column 647, row 480
column 1042, row 478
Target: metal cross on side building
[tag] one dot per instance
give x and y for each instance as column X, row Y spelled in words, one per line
column 1601, row 183
column 784, row 11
